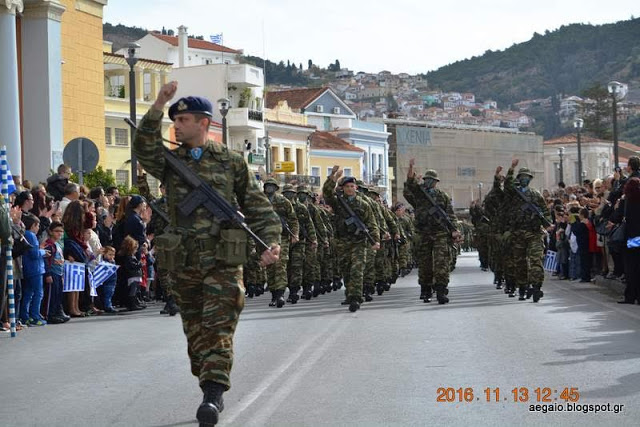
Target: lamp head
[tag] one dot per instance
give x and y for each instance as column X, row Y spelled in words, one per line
column 223, row 106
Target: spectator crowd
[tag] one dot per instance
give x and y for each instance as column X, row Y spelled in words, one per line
column 61, row 221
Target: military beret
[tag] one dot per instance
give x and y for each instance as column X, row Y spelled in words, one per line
column 193, row 105
column 348, row 179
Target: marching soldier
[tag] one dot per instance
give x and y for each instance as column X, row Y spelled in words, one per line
column 313, row 257
column 481, row 233
column 435, row 232
column 277, row 272
column 526, row 232
column 494, row 209
column 349, row 209
column 204, row 255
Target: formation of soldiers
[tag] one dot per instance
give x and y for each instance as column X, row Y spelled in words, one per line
column 316, row 242
column 508, row 233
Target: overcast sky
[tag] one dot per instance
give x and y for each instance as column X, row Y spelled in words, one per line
column 410, row 36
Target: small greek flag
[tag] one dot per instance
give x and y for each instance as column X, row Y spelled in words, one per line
column 216, row 38
column 74, row 273
column 550, row 261
column 11, row 185
column 102, row 273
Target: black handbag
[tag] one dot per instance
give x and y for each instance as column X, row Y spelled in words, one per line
column 20, row 243
column 618, row 235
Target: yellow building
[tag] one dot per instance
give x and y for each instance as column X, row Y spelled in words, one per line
column 288, row 136
column 328, row 150
column 150, row 75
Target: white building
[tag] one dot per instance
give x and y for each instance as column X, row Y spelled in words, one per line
column 242, row 84
column 183, row 51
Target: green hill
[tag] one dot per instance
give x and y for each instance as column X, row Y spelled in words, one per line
column 565, row 61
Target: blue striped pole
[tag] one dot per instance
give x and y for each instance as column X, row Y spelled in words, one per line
column 5, row 195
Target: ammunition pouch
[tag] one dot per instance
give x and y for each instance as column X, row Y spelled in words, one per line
column 232, row 247
column 170, row 253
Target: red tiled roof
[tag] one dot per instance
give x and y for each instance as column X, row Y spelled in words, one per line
column 195, row 43
column 327, row 141
column 297, row 99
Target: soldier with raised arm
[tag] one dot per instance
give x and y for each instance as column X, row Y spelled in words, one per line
column 204, row 255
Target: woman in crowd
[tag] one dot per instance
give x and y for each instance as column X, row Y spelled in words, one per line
column 75, row 248
column 629, row 211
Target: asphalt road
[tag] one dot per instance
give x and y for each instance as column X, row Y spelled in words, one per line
column 316, row 364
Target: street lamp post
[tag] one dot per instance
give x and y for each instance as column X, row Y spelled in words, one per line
column 617, row 91
column 223, row 107
column 561, row 154
column 480, row 185
column 267, row 153
column 578, row 124
column 132, row 60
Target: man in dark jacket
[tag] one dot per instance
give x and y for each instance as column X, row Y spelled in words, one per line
column 57, row 182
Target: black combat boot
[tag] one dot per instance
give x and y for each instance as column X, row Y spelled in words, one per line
column 428, row 293
column 423, row 291
column 293, row 296
column 316, row 289
column 306, row 292
column 328, row 285
column 212, row 403
column 172, row 307
column 367, row 290
column 250, row 292
column 280, row 298
column 510, row 289
column 441, row 294
column 379, row 288
column 274, row 296
column 529, row 291
column 354, row 305
column 537, row 293
column 523, row 292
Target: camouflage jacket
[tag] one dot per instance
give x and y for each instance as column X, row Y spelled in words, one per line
column 225, row 171
column 424, row 221
column 519, row 218
column 157, row 223
column 378, row 216
column 284, row 209
column 359, row 206
column 318, row 223
column 390, row 218
column 405, row 227
column 328, row 223
column 306, row 227
column 495, row 209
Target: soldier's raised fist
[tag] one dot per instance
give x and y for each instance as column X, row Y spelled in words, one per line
column 514, row 163
column 166, row 93
column 498, row 170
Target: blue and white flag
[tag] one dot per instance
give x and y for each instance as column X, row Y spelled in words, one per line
column 216, row 38
column 74, row 273
column 11, row 185
column 102, row 273
column 551, row 261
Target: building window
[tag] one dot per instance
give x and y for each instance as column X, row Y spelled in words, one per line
column 154, row 185
column 329, row 171
column 107, row 136
column 315, row 171
column 122, row 137
column 116, row 86
column 147, row 86
column 347, row 172
column 122, row 177
column 327, row 123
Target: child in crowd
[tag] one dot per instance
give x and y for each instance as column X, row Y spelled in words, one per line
column 581, row 231
column 54, row 272
column 109, row 286
column 131, row 270
column 33, row 272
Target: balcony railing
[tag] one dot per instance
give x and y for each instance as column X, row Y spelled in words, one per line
column 244, row 117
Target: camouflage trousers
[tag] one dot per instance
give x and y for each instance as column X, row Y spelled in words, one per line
column 296, row 265
column 326, row 263
column 352, row 263
column 253, row 273
column 528, row 253
column 496, row 253
column 434, row 259
column 210, row 303
column 277, row 272
column 337, row 249
column 312, row 257
column 369, row 276
column 509, row 260
column 481, row 240
column 382, row 262
column 404, row 255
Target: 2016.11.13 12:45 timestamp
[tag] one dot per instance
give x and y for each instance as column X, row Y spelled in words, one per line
column 516, row 395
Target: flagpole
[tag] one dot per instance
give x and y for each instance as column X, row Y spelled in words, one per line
column 8, row 251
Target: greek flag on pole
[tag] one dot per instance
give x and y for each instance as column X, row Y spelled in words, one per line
column 216, row 38
column 102, row 273
column 551, row 261
column 73, row 276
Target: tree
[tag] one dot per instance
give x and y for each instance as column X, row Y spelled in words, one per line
column 337, row 66
column 598, row 114
column 475, row 112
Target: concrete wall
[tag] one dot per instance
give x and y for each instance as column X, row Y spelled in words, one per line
column 463, row 158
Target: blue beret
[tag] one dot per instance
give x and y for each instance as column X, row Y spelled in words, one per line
column 193, row 105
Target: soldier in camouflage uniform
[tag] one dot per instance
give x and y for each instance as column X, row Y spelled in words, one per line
column 352, row 243
column 406, row 231
column 384, row 275
column 277, row 272
column 371, row 270
column 526, row 233
column 433, row 253
column 204, row 255
column 297, row 252
column 313, row 257
column 326, row 266
column 494, row 210
column 481, row 233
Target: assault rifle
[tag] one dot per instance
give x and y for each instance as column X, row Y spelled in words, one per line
column 203, row 194
column 438, row 213
column 158, row 211
column 528, row 206
column 354, row 220
column 285, row 226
